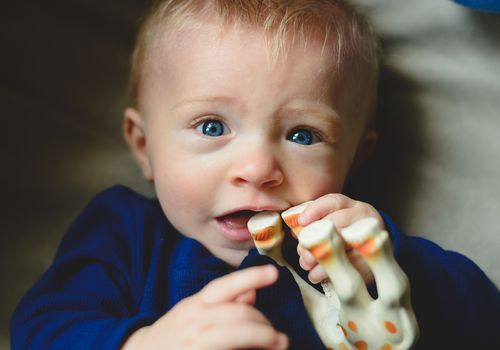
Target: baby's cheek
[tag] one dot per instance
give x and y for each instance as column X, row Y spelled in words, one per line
column 314, row 185
column 179, row 196
column 315, row 176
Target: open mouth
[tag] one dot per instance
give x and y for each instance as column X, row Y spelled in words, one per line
column 237, row 220
column 234, row 225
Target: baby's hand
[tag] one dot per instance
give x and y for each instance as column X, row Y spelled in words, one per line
column 220, row 316
column 342, row 211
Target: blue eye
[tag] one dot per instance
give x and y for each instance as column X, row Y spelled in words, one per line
column 302, row 137
column 212, row 128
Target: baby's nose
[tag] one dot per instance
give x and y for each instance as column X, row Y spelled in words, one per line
column 257, row 166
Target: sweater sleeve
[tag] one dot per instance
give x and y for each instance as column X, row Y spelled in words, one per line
column 455, row 303
column 86, row 298
column 482, row 5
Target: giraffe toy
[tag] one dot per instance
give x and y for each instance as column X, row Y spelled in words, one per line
column 346, row 316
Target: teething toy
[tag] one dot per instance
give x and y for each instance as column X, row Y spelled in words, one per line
column 268, row 236
column 346, row 316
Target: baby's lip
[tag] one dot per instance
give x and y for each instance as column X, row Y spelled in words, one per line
column 251, row 208
column 238, row 218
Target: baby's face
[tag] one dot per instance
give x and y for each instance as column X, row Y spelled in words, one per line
column 228, row 132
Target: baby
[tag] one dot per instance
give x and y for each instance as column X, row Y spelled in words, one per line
column 237, row 107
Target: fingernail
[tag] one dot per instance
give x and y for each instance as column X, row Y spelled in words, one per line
column 302, row 219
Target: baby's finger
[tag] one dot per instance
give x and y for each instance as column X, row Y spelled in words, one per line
column 244, row 336
column 317, row 274
column 232, row 286
column 307, row 261
column 300, row 249
column 346, row 217
column 323, row 206
column 219, row 315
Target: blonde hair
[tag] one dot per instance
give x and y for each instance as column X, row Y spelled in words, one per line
column 353, row 43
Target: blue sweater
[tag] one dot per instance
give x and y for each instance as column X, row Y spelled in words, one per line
column 482, row 5
column 121, row 266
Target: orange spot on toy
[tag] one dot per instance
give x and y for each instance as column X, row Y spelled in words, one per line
column 352, row 326
column 361, row 345
column 263, row 235
column 386, row 347
column 321, row 251
column 391, row 328
column 292, row 220
column 367, row 248
column 343, row 346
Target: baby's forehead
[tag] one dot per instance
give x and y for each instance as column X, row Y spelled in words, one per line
column 210, row 35
column 284, row 24
column 343, row 57
column 208, row 41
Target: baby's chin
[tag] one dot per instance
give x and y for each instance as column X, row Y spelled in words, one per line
column 232, row 254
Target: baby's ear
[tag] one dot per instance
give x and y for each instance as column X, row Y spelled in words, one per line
column 134, row 133
column 366, row 146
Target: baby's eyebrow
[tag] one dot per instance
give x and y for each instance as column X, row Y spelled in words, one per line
column 320, row 112
column 205, row 99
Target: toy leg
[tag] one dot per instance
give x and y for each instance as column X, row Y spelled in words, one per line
column 393, row 306
column 290, row 217
column 385, row 323
column 268, row 235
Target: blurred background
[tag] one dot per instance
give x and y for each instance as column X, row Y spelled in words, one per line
column 63, row 87
column 64, row 71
